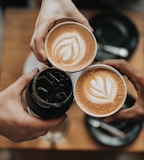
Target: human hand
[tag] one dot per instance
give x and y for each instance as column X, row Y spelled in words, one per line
column 135, row 112
column 50, row 12
column 15, row 123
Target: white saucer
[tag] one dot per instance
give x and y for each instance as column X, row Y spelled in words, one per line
column 31, row 62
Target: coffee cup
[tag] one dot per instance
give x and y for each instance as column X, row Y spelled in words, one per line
column 70, row 46
column 49, row 94
column 100, row 90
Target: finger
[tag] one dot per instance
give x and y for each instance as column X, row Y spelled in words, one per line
column 34, row 135
column 21, row 83
column 36, row 127
column 37, row 46
column 129, row 114
column 37, row 42
column 32, row 46
column 80, row 18
column 121, row 65
column 85, row 22
column 42, row 124
column 124, row 67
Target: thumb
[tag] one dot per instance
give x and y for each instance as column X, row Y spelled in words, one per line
column 124, row 114
column 84, row 21
column 21, row 83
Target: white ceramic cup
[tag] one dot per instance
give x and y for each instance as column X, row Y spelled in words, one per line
column 70, row 46
column 103, row 91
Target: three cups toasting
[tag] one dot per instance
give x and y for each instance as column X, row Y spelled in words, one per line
column 99, row 90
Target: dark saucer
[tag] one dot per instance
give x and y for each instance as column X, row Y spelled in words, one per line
column 116, row 29
column 131, row 129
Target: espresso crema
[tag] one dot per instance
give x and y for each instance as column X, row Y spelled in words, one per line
column 100, row 91
column 70, row 47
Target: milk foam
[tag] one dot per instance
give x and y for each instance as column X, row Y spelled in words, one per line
column 101, row 89
column 69, row 48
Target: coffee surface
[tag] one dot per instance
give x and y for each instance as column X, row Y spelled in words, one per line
column 100, row 91
column 70, row 47
column 53, row 86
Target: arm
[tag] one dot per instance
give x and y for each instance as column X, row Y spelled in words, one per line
column 50, row 11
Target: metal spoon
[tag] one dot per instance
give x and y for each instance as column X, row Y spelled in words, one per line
column 107, row 127
column 118, row 51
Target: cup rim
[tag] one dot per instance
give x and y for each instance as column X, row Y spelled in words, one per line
column 109, row 68
column 76, row 23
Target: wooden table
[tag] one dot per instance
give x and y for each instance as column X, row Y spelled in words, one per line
column 18, row 29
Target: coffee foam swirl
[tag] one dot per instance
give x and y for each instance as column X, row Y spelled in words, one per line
column 100, row 89
column 69, row 48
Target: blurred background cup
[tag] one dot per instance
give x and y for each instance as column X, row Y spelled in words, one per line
column 100, row 90
column 48, row 95
column 70, row 46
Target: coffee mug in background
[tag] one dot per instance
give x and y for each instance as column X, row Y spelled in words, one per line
column 100, row 90
column 70, row 46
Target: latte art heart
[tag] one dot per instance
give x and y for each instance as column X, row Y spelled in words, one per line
column 101, row 89
column 69, row 48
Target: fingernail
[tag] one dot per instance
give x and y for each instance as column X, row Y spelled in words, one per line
column 91, row 29
column 65, row 116
column 107, row 120
column 35, row 70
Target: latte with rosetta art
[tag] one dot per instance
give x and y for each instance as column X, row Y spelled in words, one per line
column 70, row 46
column 100, row 91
